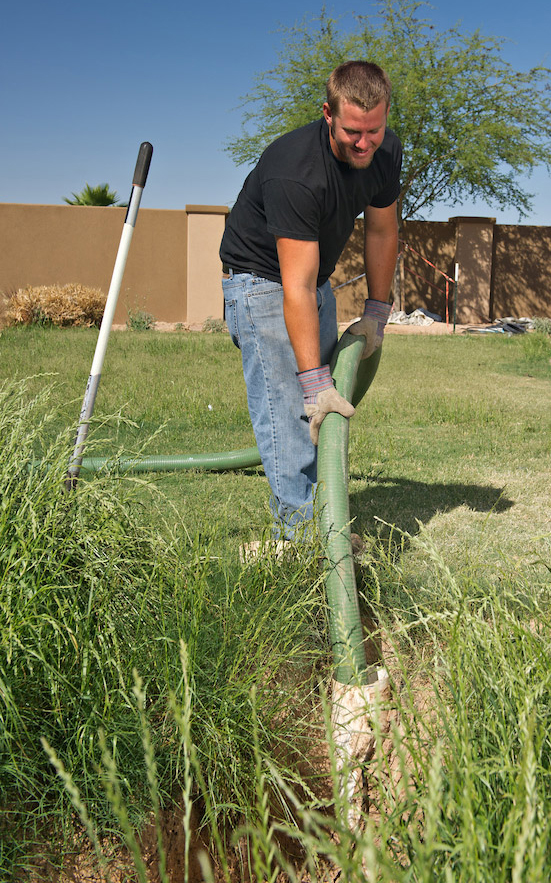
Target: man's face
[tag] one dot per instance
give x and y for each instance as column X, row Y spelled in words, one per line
column 355, row 134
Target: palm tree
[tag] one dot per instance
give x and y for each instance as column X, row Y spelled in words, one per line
column 100, row 195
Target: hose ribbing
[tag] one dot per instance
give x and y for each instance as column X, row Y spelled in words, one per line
column 219, row 462
column 353, row 376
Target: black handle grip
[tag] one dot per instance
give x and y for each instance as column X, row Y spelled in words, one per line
column 142, row 164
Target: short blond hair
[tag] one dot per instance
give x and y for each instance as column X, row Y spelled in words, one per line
column 362, row 83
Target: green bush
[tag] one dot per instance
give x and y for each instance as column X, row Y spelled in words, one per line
column 139, row 320
column 214, row 326
column 542, row 325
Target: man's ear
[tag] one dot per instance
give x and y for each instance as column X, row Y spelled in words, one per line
column 327, row 113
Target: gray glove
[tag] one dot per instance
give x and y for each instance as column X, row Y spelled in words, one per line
column 372, row 325
column 321, row 398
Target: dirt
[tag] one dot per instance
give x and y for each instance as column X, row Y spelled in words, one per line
column 82, row 866
column 435, row 328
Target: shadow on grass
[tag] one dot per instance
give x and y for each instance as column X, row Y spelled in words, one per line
column 403, row 503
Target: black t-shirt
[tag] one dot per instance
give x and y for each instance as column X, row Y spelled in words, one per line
column 300, row 190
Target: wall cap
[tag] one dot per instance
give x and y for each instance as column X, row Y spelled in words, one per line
column 466, row 219
column 207, row 210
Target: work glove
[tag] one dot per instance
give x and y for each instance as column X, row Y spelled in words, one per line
column 372, row 325
column 321, row 398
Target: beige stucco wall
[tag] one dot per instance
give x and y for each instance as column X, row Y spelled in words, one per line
column 204, row 280
column 521, row 280
column 350, row 298
column 174, row 272
column 473, row 254
column 45, row 244
column 504, row 270
column 424, row 285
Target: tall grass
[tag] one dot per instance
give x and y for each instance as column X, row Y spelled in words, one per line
column 459, row 789
column 147, row 679
column 89, row 593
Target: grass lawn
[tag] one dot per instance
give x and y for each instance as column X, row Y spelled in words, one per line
column 170, row 682
column 454, row 434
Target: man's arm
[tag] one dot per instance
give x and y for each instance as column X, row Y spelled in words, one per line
column 380, row 250
column 380, row 253
column 299, row 266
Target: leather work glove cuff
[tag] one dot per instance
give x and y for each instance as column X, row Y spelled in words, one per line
column 372, row 325
column 376, row 309
column 313, row 381
column 321, row 398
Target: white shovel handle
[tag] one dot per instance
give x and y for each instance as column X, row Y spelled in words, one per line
column 138, row 184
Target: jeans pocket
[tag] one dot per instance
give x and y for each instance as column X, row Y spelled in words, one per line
column 259, row 286
column 264, row 304
column 231, row 321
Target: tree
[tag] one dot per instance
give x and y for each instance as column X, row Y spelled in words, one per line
column 100, row 195
column 470, row 124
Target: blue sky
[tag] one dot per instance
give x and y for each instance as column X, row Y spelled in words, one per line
column 83, row 84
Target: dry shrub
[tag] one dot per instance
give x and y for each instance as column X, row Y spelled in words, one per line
column 71, row 304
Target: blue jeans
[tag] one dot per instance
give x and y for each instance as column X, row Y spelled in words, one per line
column 254, row 314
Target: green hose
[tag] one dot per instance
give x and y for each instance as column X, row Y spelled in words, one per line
column 176, row 462
column 353, row 376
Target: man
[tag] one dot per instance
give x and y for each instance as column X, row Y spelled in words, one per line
column 282, row 241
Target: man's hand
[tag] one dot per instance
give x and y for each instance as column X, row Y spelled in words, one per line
column 372, row 325
column 321, row 398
